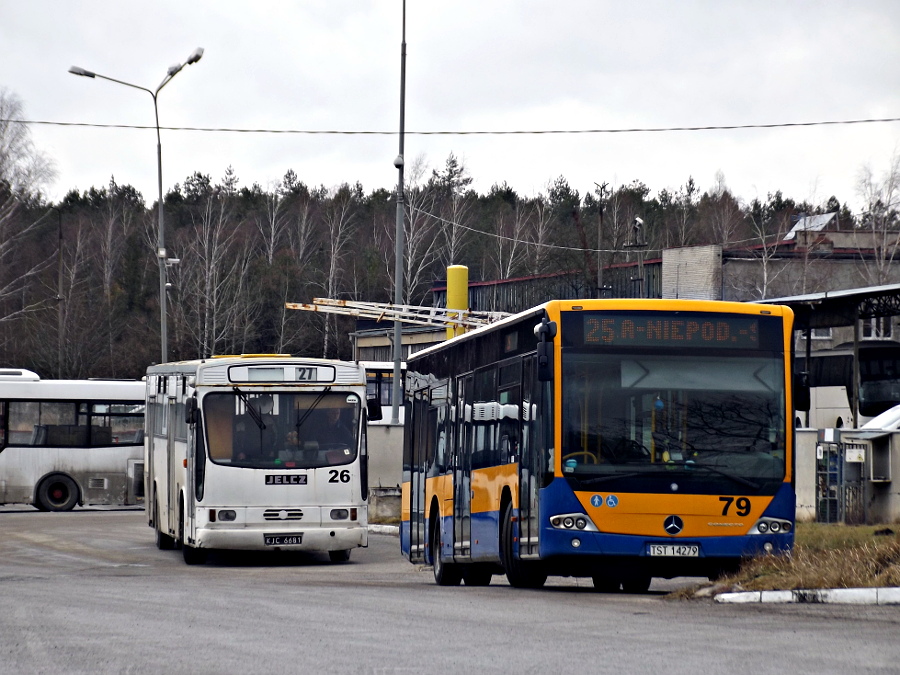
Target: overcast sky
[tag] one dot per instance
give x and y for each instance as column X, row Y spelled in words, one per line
column 472, row 65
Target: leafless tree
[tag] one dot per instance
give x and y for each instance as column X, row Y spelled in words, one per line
column 539, row 253
column 210, row 275
column 24, row 172
column 880, row 221
column 274, row 222
column 420, row 235
column 512, row 224
column 339, row 216
column 721, row 212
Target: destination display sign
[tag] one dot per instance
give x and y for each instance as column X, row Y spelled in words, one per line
column 683, row 330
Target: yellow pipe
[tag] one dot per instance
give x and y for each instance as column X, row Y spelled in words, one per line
column 457, row 295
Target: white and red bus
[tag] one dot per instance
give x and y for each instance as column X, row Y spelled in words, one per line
column 70, row 442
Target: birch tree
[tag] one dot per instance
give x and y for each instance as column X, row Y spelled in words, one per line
column 24, row 173
column 880, row 220
column 339, row 219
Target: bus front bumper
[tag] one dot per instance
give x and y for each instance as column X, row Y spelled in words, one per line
column 299, row 538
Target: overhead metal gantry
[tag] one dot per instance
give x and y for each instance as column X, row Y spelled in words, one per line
column 438, row 317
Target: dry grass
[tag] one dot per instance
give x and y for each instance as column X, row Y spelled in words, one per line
column 824, row 556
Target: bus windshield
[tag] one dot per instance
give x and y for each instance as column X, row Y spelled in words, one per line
column 670, row 422
column 255, row 430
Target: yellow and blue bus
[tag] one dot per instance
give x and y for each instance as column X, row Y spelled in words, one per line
column 619, row 440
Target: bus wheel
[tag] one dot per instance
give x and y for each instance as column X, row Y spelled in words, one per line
column 339, row 556
column 164, row 542
column 520, row 573
column 477, row 575
column 605, row 584
column 445, row 574
column 640, row 584
column 57, row 493
column 191, row 555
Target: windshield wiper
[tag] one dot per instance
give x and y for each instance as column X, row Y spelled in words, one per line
column 254, row 413
column 301, row 420
column 692, row 466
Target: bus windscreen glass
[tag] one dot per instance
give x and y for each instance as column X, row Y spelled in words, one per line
column 280, row 430
column 638, row 418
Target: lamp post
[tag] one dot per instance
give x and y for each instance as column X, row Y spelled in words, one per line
column 160, row 235
column 398, row 236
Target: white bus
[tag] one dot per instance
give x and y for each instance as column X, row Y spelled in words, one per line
column 257, row 452
column 70, row 442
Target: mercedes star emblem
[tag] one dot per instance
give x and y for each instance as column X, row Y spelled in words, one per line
column 673, row 525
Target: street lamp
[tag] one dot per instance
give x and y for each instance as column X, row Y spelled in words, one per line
column 160, row 235
column 398, row 236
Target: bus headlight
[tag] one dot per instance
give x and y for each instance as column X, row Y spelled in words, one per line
column 573, row 521
column 340, row 514
column 227, row 515
column 771, row 526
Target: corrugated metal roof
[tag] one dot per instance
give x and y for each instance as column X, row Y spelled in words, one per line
column 811, row 224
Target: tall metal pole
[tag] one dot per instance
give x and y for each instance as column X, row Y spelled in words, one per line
column 396, row 391
column 161, row 246
column 161, row 255
column 59, row 297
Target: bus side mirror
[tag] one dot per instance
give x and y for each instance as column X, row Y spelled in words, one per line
column 190, row 410
column 545, row 331
column 373, row 408
column 801, row 391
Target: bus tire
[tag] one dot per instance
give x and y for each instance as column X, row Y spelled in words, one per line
column 445, row 574
column 339, row 556
column 637, row 584
column 57, row 493
column 520, row 573
column 477, row 575
column 191, row 555
column 164, row 542
column 606, row 584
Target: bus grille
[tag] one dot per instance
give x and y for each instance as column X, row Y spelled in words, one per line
column 283, row 514
column 96, row 483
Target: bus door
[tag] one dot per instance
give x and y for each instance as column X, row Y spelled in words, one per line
column 174, row 463
column 417, row 452
column 462, row 468
column 529, row 465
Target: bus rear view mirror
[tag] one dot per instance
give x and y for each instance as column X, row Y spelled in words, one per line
column 801, row 391
column 545, row 361
column 545, row 331
column 373, row 408
column 190, row 410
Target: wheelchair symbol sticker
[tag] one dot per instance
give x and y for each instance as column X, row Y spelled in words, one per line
column 612, row 501
column 597, row 500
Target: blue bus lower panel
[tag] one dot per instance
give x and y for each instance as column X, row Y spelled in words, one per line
column 583, row 553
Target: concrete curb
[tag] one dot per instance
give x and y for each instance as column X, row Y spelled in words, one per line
column 839, row 596
column 388, row 529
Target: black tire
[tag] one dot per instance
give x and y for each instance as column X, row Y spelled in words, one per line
column 445, row 574
column 477, row 575
column 520, row 573
column 339, row 556
column 164, row 542
column 191, row 555
column 57, row 493
column 605, row 584
column 638, row 584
